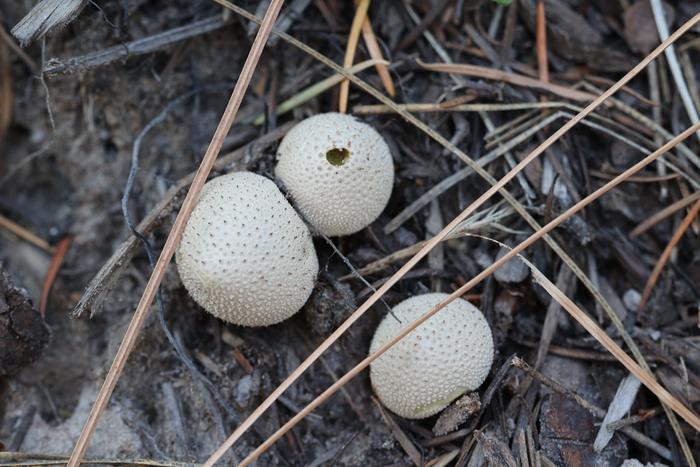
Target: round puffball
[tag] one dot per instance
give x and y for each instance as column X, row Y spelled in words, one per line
column 246, row 256
column 449, row 354
column 338, row 170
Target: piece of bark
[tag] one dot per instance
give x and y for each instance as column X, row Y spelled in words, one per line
column 46, row 16
column 496, row 451
column 457, row 413
column 23, row 333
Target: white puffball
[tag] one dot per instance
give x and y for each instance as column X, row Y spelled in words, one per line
column 338, row 170
column 449, row 354
column 245, row 255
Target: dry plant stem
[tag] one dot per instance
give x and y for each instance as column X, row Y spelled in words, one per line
column 173, row 239
column 507, row 77
column 576, row 313
column 446, row 107
column 25, row 234
column 497, row 186
column 663, row 214
column 353, row 38
column 137, row 47
column 41, row 459
column 376, row 53
column 542, row 65
column 663, row 259
column 56, row 261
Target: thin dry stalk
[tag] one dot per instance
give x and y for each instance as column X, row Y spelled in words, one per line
column 507, row 77
column 54, row 266
column 663, row 214
column 496, row 186
column 374, row 109
column 542, row 64
column 129, row 339
column 637, row 179
column 663, row 259
column 353, row 38
column 577, row 314
column 25, row 234
column 376, row 53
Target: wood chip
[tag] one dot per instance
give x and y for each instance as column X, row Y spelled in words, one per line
column 46, row 16
column 457, row 413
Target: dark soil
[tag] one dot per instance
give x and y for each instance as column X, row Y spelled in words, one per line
column 65, row 156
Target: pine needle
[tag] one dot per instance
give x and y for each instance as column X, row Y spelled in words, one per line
column 663, row 259
column 353, row 38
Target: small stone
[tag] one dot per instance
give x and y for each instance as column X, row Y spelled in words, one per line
column 243, row 389
column 513, row 271
column 631, row 299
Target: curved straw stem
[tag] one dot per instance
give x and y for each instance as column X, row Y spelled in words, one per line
column 435, row 240
column 139, row 317
column 583, row 319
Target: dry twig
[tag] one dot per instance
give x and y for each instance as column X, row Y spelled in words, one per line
column 512, row 78
column 137, row 47
column 376, row 53
column 56, row 260
column 542, row 64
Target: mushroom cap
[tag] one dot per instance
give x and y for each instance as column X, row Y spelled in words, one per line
column 245, row 255
column 449, row 354
column 338, row 170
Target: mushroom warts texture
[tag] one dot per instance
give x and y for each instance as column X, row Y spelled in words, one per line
column 338, row 170
column 245, row 255
column 449, row 354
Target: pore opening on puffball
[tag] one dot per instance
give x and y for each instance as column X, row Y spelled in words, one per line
column 337, row 156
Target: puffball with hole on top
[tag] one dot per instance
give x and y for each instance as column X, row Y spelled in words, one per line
column 246, row 256
column 338, row 170
column 447, row 355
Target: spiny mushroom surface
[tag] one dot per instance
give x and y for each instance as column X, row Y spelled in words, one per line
column 245, row 255
column 338, row 170
column 449, row 354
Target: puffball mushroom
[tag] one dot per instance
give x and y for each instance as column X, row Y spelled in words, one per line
column 447, row 355
column 245, row 255
column 338, row 170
